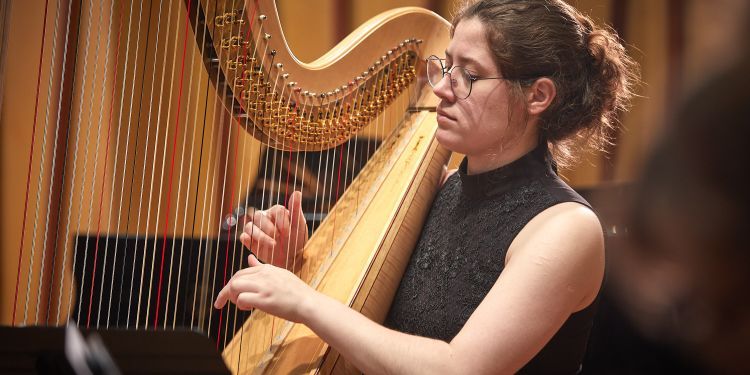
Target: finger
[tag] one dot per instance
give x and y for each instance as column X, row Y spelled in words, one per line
column 221, row 298
column 245, row 240
column 241, row 285
column 247, row 271
column 253, row 261
column 259, row 233
column 262, row 221
column 295, row 206
column 279, row 215
column 261, row 242
column 225, row 295
column 298, row 225
column 247, row 301
column 258, row 244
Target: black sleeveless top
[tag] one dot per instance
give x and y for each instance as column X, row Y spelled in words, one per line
column 461, row 253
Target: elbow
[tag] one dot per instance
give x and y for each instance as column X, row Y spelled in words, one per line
column 451, row 361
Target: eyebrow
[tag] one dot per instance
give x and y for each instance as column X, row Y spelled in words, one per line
column 467, row 60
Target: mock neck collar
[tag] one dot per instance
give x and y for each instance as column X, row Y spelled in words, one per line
column 536, row 163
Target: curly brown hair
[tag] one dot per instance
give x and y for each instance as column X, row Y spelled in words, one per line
column 593, row 74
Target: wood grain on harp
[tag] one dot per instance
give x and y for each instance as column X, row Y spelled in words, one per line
column 159, row 124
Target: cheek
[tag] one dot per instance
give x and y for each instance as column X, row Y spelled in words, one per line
column 485, row 125
column 480, row 126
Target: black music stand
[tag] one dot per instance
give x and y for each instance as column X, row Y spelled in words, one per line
column 41, row 350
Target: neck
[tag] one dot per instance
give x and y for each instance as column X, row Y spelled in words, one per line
column 487, row 161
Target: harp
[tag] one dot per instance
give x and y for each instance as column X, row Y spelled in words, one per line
column 155, row 125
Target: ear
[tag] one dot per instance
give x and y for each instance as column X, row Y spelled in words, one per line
column 540, row 95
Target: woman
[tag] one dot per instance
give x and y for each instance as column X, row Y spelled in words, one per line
column 510, row 261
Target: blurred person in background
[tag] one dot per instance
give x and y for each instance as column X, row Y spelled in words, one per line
column 689, row 228
column 675, row 299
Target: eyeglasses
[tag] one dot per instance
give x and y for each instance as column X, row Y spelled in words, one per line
column 461, row 79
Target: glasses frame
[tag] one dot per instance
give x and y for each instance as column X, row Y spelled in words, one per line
column 472, row 77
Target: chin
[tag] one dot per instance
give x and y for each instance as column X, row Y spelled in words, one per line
column 450, row 140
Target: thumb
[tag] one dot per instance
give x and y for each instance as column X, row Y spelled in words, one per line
column 295, row 208
column 253, row 260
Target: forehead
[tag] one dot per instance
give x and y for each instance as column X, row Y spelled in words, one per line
column 469, row 42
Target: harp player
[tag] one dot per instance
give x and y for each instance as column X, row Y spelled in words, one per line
column 506, row 273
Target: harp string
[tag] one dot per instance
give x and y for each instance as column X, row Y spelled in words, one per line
column 211, row 182
column 361, row 104
column 278, row 184
column 28, row 173
column 190, row 170
column 125, row 157
column 277, row 168
column 134, row 167
column 171, row 171
column 153, row 168
column 202, row 253
column 65, row 153
column 260, row 148
column 90, row 112
column 203, row 259
column 221, row 203
column 304, row 171
column 347, row 116
column 322, row 117
column 164, row 150
column 39, row 181
column 126, row 148
column 79, row 125
column 320, row 163
column 285, row 121
column 301, row 181
column 237, row 228
column 238, row 264
column 52, row 169
column 225, row 168
column 117, row 142
column 247, row 123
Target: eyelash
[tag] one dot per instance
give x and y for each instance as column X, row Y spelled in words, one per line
column 448, row 67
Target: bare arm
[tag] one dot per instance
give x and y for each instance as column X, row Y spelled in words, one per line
column 554, row 268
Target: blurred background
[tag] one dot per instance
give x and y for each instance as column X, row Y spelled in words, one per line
column 680, row 46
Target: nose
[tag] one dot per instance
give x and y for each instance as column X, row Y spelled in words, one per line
column 444, row 89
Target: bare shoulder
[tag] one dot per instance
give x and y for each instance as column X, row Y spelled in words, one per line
column 565, row 223
column 569, row 237
column 572, row 218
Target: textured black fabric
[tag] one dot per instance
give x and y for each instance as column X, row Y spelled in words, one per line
column 461, row 253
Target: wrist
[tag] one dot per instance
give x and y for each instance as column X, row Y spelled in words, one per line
column 308, row 305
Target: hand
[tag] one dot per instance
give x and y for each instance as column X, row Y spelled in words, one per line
column 272, row 289
column 278, row 235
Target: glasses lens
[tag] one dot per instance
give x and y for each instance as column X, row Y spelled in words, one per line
column 434, row 70
column 461, row 81
column 460, row 78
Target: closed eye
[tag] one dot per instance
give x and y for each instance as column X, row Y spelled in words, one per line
column 472, row 76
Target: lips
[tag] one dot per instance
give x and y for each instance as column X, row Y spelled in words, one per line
column 442, row 113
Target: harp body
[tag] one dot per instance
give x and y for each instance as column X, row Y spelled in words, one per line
column 233, row 103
